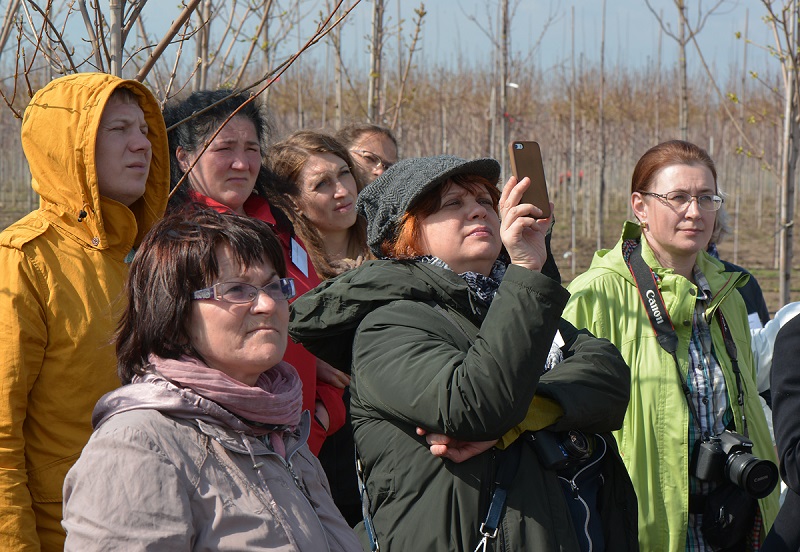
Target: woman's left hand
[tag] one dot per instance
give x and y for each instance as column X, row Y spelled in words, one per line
column 331, row 376
column 523, row 234
column 453, row 449
column 321, row 415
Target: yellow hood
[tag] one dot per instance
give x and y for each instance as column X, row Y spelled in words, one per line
column 59, row 132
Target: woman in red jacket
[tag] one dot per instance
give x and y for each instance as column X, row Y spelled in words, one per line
column 228, row 175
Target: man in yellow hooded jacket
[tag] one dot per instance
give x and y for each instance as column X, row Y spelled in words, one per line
column 97, row 149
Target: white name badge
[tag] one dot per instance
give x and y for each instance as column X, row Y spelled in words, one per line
column 299, row 257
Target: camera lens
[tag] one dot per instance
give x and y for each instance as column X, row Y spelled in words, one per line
column 757, row 477
column 576, row 445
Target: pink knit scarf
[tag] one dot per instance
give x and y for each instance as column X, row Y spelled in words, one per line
column 275, row 400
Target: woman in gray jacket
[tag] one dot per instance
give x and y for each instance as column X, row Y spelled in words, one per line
column 204, row 446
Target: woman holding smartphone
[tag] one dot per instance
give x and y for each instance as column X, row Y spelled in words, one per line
column 451, row 333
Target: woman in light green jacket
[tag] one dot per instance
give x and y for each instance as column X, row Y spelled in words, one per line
column 678, row 401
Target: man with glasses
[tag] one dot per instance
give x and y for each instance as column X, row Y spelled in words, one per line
column 372, row 147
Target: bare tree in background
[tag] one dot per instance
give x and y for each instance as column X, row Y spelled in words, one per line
column 786, row 29
column 403, row 72
column 504, row 66
column 601, row 181
column 682, row 37
column 375, row 59
column 202, row 43
column 41, row 44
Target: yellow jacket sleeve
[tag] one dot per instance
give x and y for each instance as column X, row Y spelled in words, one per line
column 542, row 412
column 23, row 337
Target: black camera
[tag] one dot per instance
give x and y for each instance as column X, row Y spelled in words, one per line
column 729, row 456
column 558, row 450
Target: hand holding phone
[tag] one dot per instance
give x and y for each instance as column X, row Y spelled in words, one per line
column 526, row 160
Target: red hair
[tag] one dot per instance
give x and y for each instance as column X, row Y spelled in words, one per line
column 407, row 241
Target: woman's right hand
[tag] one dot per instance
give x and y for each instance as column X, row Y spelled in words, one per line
column 522, row 233
column 443, row 446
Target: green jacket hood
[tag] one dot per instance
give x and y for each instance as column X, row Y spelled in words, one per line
column 609, row 260
column 325, row 319
column 59, row 134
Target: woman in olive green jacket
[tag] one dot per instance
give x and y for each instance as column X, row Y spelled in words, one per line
column 445, row 337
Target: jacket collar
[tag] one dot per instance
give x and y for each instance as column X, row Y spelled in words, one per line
column 231, row 441
column 721, row 282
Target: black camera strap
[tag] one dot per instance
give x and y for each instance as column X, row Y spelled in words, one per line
column 665, row 332
column 731, row 348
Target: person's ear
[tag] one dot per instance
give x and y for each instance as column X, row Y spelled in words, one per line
column 639, row 207
column 183, row 158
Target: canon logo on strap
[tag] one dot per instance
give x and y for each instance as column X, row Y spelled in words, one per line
column 651, row 299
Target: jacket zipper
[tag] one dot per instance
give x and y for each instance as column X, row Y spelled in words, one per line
column 575, row 489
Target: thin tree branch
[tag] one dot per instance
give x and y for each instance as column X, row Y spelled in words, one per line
column 59, row 39
column 173, row 30
column 253, row 43
column 131, row 18
column 8, row 23
column 421, row 13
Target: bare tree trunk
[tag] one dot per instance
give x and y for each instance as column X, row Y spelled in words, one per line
column 301, row 123
column 493, row 95
column 683, row 106
column 740, row 165
column 493, row 116
column 403, row 74
column 373, row 100
column 202, row 45
column 789, row 160
column 267, row 52
column 443, row 122
column 337, row 75
column 504, row 40
column 398, row 112
column 658, row 85
column 8, row 23
column 572, row 177
column 601, row 181
column 327, row 70
column 115, row 24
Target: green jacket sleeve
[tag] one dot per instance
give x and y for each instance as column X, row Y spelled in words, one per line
column 588, row 390
column 412, row 366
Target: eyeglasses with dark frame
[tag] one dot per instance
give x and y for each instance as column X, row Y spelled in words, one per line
column 240, row 293
column 373, row 159
column 681, row 200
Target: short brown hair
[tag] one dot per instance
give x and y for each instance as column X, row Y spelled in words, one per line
column 352, row 133
column 178, row 257
column 667, row 154
column 406, row 244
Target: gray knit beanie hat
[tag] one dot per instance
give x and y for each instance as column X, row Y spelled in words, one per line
column 384, row 202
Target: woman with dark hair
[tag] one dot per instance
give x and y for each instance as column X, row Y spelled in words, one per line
column 675, row 315
column 204, row 446
column 228, row 175
column 318, row 190
column 452, row 332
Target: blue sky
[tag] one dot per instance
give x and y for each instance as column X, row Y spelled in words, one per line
column 632, row 32
column 449, row 35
